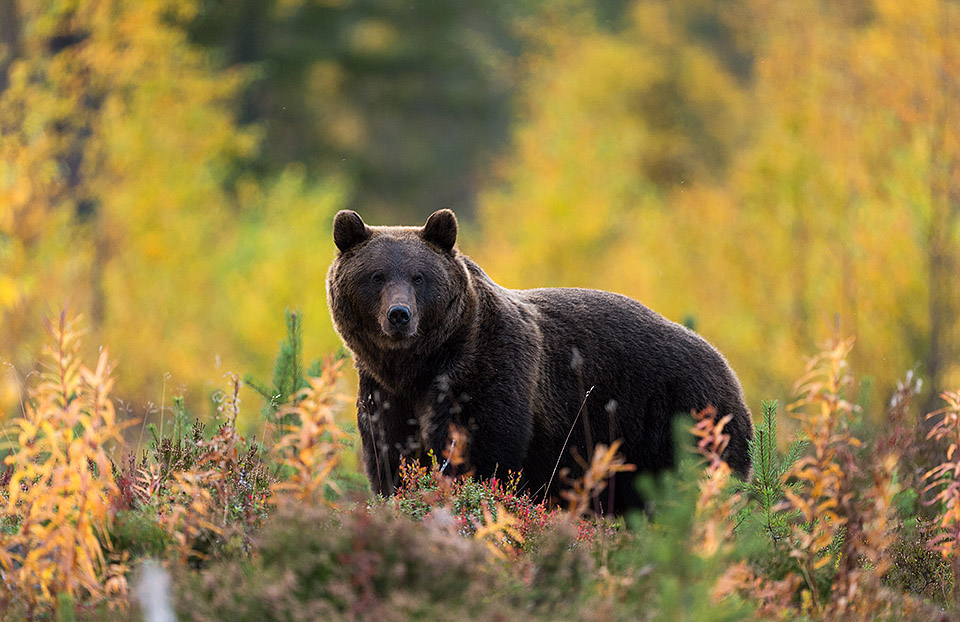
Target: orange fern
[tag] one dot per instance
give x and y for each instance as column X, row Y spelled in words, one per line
column 714, row 510
column 606, row 462
column 822, row 411
column 62, row 484
column 310, row 448
column 500, row 533
column 945, row 478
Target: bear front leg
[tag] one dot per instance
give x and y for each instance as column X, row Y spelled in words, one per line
column 385, row 434
column 380, row 458
column 379, row 471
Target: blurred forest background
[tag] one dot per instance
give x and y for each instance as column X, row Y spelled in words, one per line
column 766, row 172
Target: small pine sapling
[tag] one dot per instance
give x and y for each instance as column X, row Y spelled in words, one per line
column 767, row 488
column 288, row 373
column 713, row 529
column 181, row 420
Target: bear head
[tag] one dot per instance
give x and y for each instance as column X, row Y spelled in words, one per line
column 396, row 288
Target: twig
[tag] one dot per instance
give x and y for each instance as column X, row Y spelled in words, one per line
column 453, row 442
column 564, row 448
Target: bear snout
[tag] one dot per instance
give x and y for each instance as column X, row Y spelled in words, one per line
column 399, row 315
column 399, row 322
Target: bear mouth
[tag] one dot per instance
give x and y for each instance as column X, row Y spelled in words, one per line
column 399, row 335
column 396, row 343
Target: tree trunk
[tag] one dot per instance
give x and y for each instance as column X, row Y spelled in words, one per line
column 944, row 215
column 9, row 38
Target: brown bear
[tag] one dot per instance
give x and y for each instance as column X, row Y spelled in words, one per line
column 534, row 377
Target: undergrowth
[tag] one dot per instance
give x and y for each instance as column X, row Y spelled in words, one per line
column 835, row 527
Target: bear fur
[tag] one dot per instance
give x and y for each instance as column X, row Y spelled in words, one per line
column 437, row 343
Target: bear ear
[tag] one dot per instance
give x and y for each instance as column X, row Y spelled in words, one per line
column 349, row 230
column 441, row 229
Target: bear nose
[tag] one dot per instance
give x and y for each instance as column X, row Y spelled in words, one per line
column 398, row 315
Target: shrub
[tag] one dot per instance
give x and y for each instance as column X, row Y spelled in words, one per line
column 314, row 563
column 57, row 500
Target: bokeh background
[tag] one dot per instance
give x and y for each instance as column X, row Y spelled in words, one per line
column 769, row 173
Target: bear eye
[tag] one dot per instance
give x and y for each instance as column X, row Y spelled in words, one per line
column 377, row 278
column 417, row 279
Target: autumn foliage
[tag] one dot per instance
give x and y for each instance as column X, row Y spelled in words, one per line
column 756, row 169
column 944, row 480
column 309, row 449
column 61, row 487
